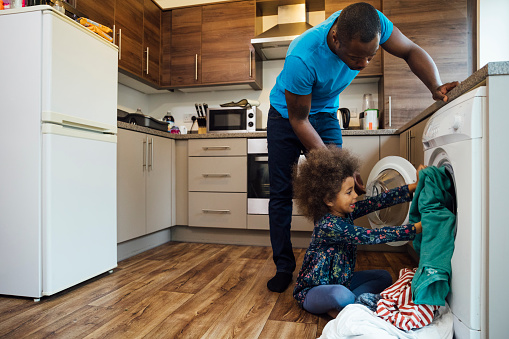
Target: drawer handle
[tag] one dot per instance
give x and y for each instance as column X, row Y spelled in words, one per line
column 216, row 175
column 216, row 211
column 210, row 148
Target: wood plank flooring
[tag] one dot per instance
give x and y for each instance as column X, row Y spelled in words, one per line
column 179, row 290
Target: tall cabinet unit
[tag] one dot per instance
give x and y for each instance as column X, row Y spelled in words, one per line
column 145, row 184
column 440, row 30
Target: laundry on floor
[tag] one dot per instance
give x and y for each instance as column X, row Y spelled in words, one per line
column 396, row 305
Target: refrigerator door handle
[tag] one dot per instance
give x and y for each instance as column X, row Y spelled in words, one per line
column 75, row 122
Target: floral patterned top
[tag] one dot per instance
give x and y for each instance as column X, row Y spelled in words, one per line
column 330, row 258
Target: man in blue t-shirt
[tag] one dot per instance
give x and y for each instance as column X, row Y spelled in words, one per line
column 319, row 65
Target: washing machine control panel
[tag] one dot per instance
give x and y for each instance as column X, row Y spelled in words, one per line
column 457, row 121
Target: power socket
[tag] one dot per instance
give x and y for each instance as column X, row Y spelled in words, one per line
column 188, row 118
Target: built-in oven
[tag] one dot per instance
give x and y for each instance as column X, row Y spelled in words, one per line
column 258, row 190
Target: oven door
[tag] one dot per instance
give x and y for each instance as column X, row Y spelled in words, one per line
column 258, row 190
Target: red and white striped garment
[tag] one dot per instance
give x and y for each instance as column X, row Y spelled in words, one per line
column 397, row 307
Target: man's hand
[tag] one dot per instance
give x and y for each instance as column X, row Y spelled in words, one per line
column 439, row 93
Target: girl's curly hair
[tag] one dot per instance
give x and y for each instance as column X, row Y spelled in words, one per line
column 320, row 177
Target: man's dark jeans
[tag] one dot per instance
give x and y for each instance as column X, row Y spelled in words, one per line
column 284, row 151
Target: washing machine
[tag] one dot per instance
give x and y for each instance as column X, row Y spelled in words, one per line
column 452, row 138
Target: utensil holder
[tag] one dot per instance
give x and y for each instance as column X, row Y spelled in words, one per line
column 202, row 125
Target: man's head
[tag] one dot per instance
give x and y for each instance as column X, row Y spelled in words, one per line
column 356, row 35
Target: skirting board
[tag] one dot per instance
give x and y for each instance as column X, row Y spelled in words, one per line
column 254, row 238
column 132, row 247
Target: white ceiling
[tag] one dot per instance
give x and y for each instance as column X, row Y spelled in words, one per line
column 168, row 4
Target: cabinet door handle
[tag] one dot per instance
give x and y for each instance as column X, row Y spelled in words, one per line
column 216, row 211
column 215, row 148
column 216, row 175
column 151, row 163
column 196, row 67
column 114, row 35
column 120, row 44
column 390, row 111
column 144, row 153
column 410, row 137
column 147, row 59
column 250, row 64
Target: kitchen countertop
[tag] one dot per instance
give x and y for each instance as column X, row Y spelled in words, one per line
column 260, row 134
column 478, row 78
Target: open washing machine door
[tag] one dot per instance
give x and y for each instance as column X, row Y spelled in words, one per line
column 390, row 172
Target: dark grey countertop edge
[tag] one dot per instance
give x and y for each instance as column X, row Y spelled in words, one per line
column 261, row 134
column 478, row 78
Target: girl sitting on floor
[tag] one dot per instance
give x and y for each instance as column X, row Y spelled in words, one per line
column 324, row 186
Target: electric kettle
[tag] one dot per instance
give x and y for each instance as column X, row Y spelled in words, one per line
column 344, row 117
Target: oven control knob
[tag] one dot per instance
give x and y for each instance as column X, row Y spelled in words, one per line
column 250, row 115
column 250, row 124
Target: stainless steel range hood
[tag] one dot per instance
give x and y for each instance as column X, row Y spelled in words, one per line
column 273, row 43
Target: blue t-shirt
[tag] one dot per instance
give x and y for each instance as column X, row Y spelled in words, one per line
column 311, row 67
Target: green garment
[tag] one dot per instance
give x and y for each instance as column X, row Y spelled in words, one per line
column 432, row 205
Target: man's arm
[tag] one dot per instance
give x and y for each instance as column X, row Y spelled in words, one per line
column 298, row 113
column 421, row 64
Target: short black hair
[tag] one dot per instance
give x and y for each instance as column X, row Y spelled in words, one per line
column 319, row 179
column 358, row 21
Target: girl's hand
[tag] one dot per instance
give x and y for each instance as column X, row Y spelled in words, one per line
column 418, row 227
column 412, row 187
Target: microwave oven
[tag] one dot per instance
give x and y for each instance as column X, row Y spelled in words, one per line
column 233, row 119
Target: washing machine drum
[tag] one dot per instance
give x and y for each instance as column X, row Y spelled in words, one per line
column 389, row 173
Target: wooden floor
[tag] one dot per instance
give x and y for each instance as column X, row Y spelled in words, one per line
column 179, row 290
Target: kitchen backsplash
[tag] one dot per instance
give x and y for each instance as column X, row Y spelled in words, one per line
column 181, row 104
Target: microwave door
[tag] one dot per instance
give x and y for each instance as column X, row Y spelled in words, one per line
column 227, row 120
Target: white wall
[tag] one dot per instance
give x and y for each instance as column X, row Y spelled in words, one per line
column 492, row 31
column 130, row 100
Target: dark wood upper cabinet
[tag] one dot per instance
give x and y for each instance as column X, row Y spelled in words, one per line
column 442, row 32
column 227, row 53
column 151, row 41
column 129, row 35
column 186, row 46
column 166, row 38
column 374, row 68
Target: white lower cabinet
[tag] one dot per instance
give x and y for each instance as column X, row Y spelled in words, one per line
column 217, row 182
column 145, row 184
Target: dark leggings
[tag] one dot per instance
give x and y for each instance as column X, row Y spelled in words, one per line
column 324, row 298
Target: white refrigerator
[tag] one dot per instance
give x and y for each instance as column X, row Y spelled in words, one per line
column 58, row 100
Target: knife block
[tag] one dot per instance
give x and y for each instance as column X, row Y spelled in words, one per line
column 202, row 125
